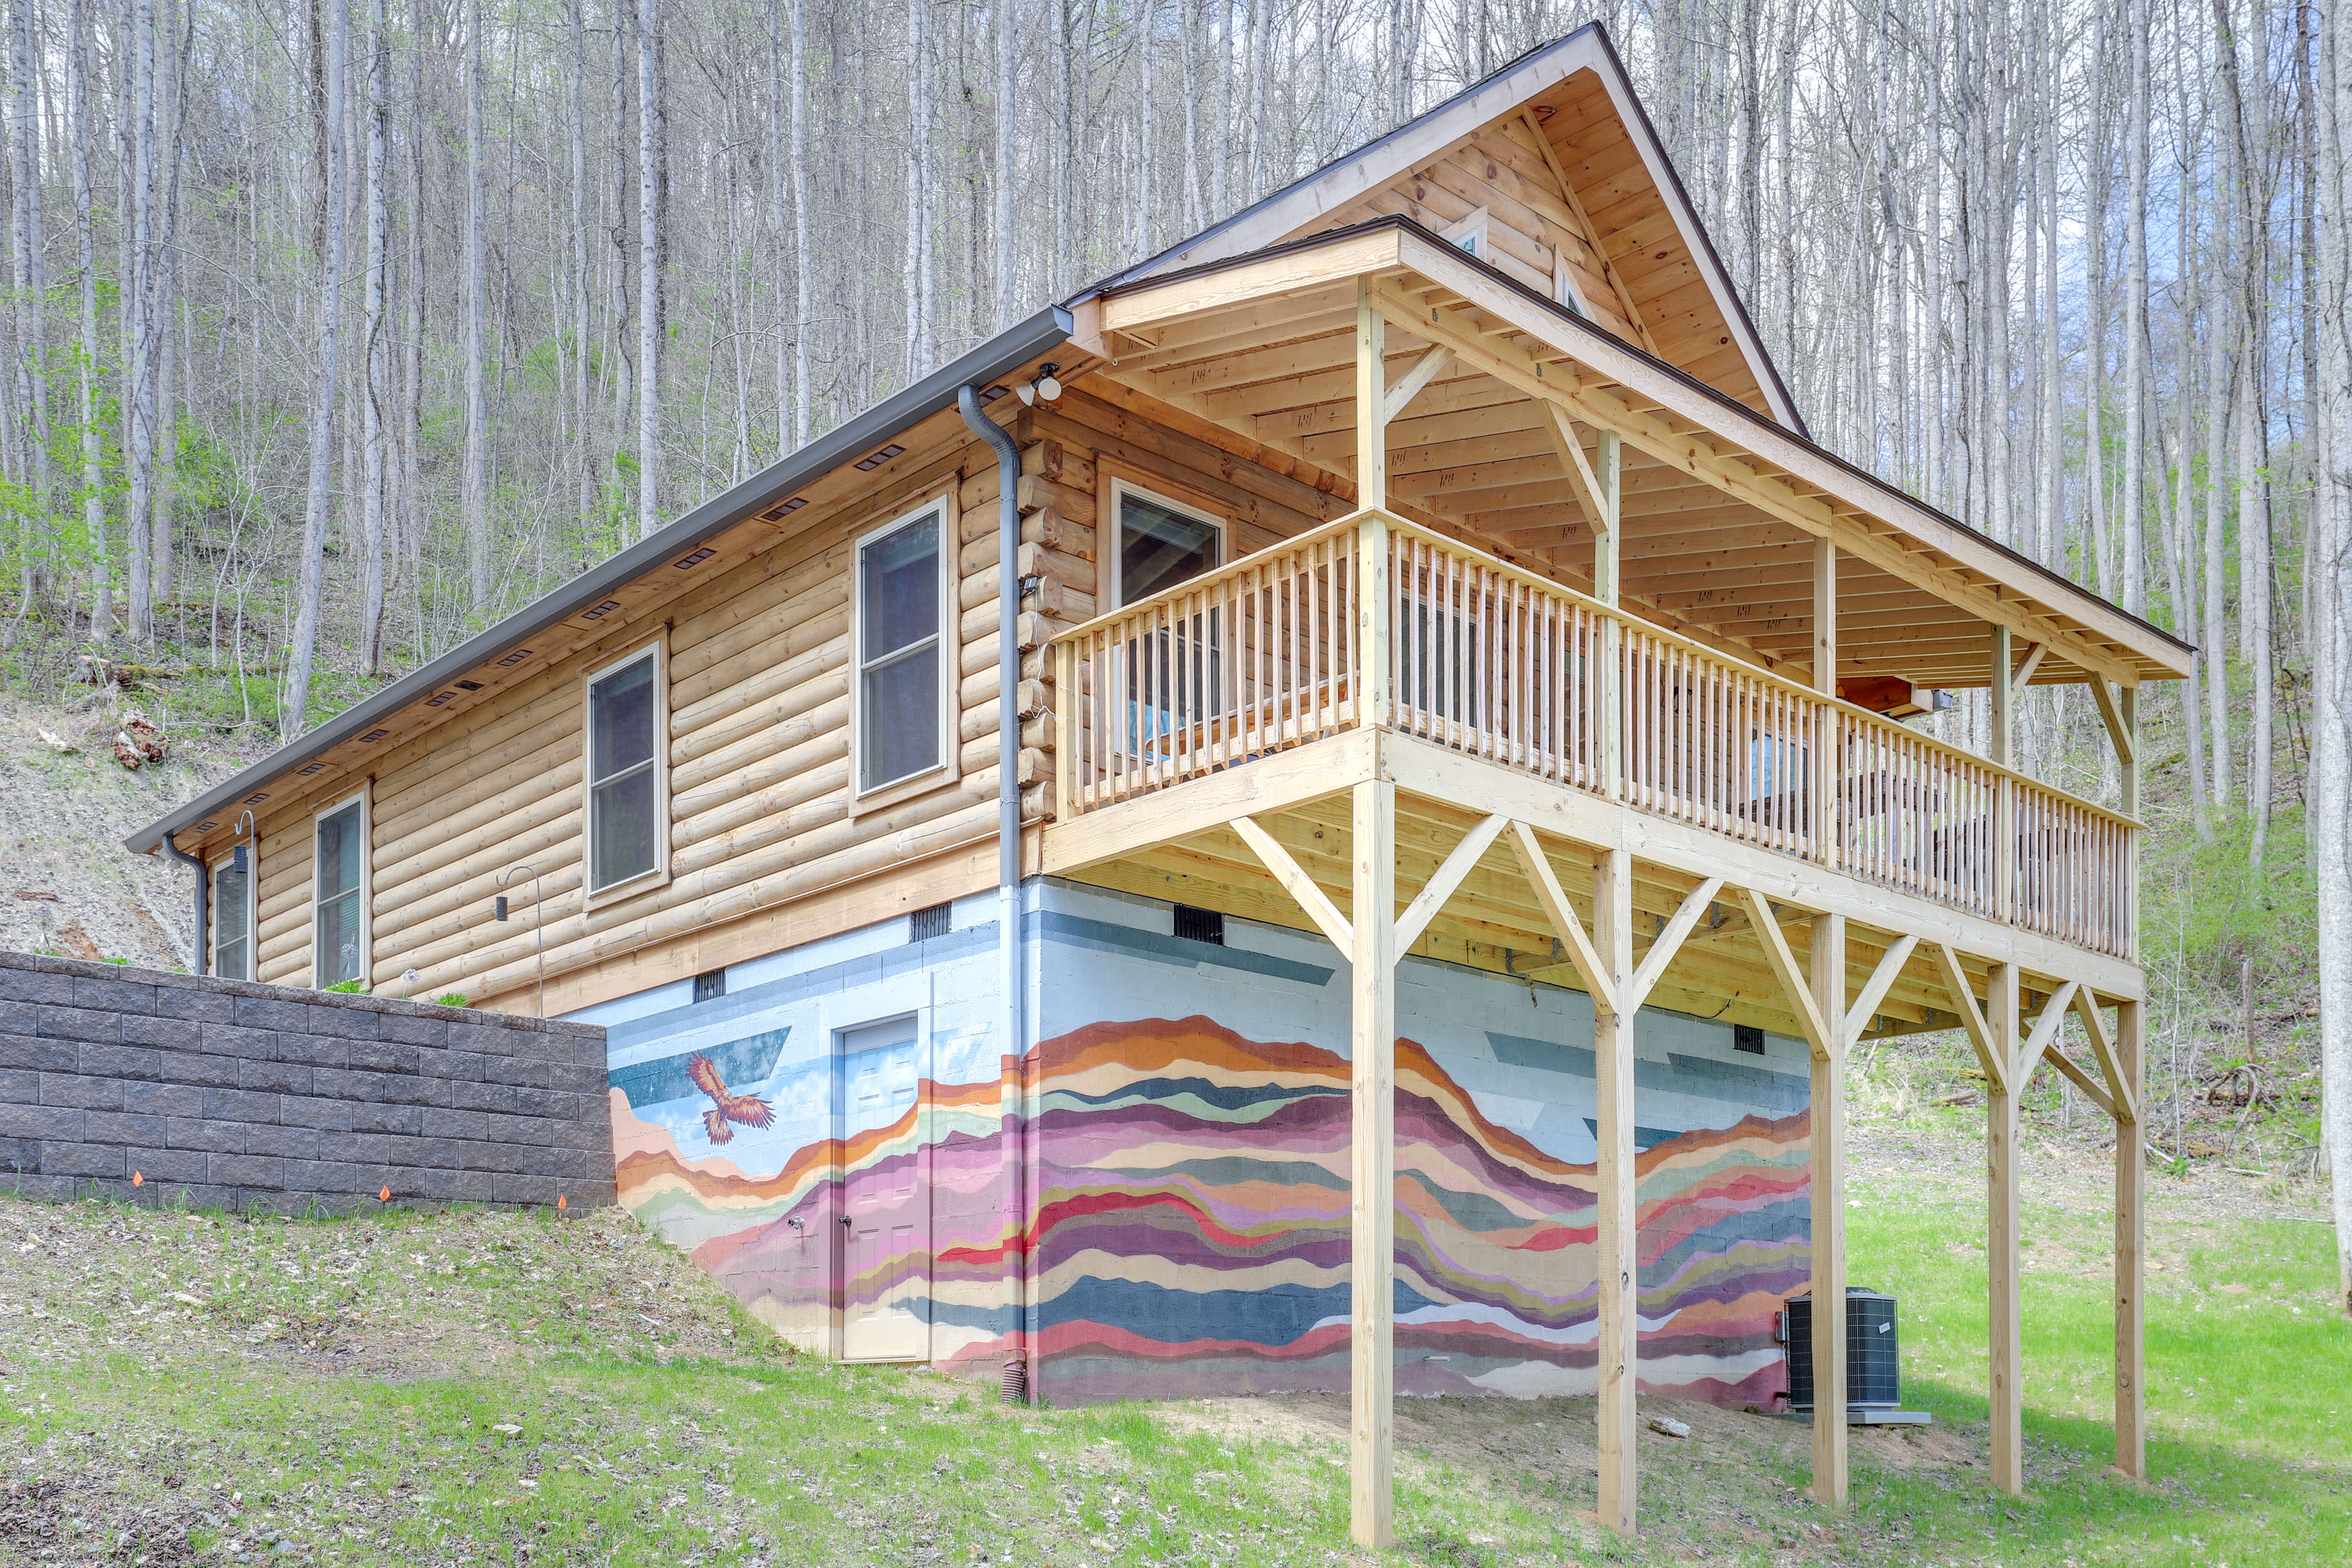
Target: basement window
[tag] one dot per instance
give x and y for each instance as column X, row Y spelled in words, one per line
column 628, row 831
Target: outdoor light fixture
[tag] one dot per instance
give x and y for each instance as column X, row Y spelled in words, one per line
column 1042, row 385
column 500, row 903
column 539, row 910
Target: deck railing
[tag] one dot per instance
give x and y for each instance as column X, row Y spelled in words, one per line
column 1488, row 658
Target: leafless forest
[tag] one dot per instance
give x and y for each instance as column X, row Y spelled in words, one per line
column 339, row 327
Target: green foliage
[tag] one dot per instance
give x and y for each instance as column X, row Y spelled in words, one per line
column 348, row 985
column 2206, row 906
column 452, row 999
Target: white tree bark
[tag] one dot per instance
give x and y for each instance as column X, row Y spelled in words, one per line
column 2332, row 661
column 2132, row 547
column 93, row 472
column 650, row 153
column 294, row 700
column 371, row 345
column 477, row 496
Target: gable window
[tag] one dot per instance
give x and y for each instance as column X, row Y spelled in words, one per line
column 338, row 952
column 232, row 914
column 1469, row 234
column 903, row 611
column 1161, row 543
column 625, row 798
column 1563, row 289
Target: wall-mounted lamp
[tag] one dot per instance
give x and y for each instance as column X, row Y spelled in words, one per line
column 1043, row 384
column 541, row 910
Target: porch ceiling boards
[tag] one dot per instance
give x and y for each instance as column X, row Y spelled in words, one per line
column 1720, row 526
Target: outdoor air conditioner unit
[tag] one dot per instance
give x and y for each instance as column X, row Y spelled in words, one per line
column 1874, row 1368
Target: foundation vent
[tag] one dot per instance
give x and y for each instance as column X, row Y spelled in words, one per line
column 1200, row 925
column 925, row 924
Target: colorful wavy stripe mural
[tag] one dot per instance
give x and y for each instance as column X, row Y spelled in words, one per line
column 1190, row 1227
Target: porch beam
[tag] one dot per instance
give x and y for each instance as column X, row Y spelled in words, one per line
column 1371, row 397
column 2124, row 1103
column 1989, row 1056
column 1583, row 818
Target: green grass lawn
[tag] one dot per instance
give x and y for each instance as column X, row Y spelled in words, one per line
column 506, row 1388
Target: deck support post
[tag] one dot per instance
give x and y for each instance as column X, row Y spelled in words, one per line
column 1371, row 402
column 1619, row 1347
column 2131, row 1196
column 1827, row 1126
column 2008, row 1360
column 1373, row 1168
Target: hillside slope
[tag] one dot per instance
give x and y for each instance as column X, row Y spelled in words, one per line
column 67, row 885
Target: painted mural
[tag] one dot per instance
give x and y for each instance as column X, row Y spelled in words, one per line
column 828, row 1143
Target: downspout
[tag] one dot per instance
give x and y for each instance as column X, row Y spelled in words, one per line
column 204, row 947
column 1008, row 878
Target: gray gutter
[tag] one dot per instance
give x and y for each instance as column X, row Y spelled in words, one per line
column 999, row 355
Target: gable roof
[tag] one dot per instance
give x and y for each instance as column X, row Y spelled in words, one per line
column 1612, row 170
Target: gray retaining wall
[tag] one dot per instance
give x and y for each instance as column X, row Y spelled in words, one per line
column 225, row 1094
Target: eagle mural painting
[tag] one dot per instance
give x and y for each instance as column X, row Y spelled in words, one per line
column 749, row 1109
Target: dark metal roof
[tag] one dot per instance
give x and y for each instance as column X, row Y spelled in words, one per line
column 1001, row 355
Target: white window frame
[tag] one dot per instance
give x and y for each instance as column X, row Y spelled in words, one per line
column 1114, row 547
column 1564, row 288
column 252, row 907
column 366, row 891
column 657, row 651
column 1472, row 228
column 944, row 770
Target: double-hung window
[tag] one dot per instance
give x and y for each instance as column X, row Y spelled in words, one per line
column 627, row 811
column 232, row 914
column 339, row 951
column 904, row 671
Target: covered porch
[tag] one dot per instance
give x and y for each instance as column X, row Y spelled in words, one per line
column 1448, row 725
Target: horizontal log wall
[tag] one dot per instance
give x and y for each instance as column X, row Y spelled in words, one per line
column 762, row 829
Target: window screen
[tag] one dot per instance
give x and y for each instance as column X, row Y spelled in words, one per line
column 233, row 919
column 899, row 654
column 341, row 953
column 622, row 829
column 1159, row 546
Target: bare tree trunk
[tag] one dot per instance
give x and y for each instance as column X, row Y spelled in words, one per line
column 803, row 303
column 371, row 395
column 2134, row 548
column 583, row 396
column 2254, row 605
column 93, row 490
column 294, row 701
column 649, row 265
column 918, row 276
column 31, row 251
column 138, row 121
column 477, row 501
column 2332, row 769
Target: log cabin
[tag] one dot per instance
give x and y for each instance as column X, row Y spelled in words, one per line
column 1383, row 697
